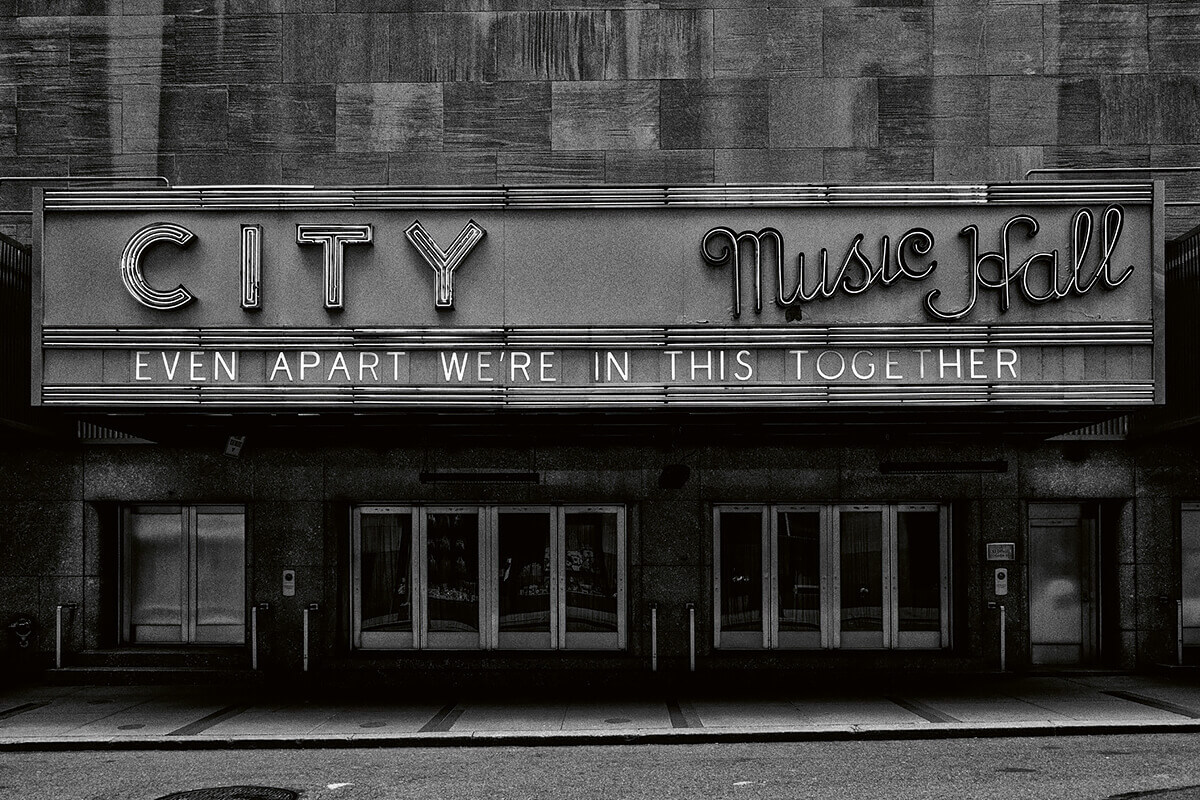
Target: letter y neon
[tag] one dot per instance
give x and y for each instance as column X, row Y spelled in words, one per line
column 444, row 262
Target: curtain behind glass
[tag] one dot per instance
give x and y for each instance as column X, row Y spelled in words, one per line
column 862, row 570
column 799, row 570
column 386, row 571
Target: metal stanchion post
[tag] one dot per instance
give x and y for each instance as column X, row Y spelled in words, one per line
column 654, row 637
column 311, row 607
column 1003, row 639
column 1179, row 632
column 254, row 632
column 58, row 633
column 691, row 637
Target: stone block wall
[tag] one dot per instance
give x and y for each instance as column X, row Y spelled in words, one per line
column 593, row 91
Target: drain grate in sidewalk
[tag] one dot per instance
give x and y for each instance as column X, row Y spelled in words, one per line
column 1161, row 705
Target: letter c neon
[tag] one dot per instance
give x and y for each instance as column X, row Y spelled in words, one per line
column 131, row 266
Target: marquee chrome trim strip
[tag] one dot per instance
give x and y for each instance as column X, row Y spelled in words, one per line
column 230, row 198
column 643, row 396
column 622, row 338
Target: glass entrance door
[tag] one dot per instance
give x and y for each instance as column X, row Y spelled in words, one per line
column 831, row 576
column 454, row 611
column 184, row 575
column 799, row 557
column 1189, row 530
column 864, row 576
column 1062, row 584
column 383, row 564
column 526, row 578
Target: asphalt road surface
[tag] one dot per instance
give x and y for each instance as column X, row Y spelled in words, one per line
column 1138, row 766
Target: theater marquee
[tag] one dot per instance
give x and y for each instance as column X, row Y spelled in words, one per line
column 626, row 297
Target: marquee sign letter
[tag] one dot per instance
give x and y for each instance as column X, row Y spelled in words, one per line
column 334, row 239
column 131, row 266
column 444, row 262
column 252, row 267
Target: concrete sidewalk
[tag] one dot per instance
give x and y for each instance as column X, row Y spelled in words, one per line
column 185, row 717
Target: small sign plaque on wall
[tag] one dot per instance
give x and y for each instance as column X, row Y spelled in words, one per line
column 1001, row 551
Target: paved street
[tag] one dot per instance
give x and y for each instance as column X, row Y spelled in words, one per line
column 1038, row 768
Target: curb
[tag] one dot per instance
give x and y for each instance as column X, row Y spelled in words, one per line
column 561, row 739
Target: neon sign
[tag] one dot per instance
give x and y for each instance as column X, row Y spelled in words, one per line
column 722, row 247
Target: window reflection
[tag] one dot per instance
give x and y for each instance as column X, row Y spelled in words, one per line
column 453, row 556
column 799, row 570
column 524, row 571
column 862, row 570
column 591, row 572
column 741, row 571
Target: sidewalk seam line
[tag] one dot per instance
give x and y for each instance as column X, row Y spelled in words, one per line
column 1161, row 705
column 21, row 709
column 678, row 718
column 927, row 713
column 444, row 719
column 209, row 720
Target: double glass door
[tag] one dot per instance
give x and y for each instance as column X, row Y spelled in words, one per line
column 184, row 575
column 847, row 576
column 493, row 577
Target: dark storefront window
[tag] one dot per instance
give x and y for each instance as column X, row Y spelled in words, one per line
column 844, row 576
column 490, row 577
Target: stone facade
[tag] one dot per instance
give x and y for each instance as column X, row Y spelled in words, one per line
column 442, row 91
column 510, row 92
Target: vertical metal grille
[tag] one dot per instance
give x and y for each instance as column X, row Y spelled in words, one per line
column 1183, row 346
column 1109, row 429
column 15, row 262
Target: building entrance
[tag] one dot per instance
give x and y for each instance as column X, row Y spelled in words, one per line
column 1063, row 579
column 184, row 575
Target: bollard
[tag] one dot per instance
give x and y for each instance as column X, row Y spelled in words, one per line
column 311, row 607
column 1003, row 639
column 58, row 633
column 691, row 637
column 1179, row 632
column 254, row 632
column 654, row 637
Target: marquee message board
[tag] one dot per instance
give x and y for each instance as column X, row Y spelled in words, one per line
column 624, row 297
